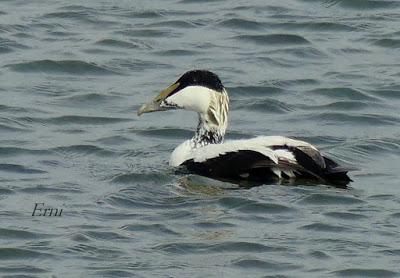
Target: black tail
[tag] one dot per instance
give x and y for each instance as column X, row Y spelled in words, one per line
column 334, row 172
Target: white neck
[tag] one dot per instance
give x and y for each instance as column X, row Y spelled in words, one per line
column 212, row 125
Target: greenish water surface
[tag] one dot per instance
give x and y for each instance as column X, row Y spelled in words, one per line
column 73, row 74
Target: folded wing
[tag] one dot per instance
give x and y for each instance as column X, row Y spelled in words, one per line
column 263, row 159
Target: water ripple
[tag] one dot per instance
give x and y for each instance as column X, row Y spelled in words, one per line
column 72, row 75
column 7, row 45
column 326, row 199
column 346, row 215
column 21, row 253
column 241, row 23
column 187, row 248
column 62, row 66
column 83, row 150
column 365, row 272
column 265, row 105
column 10, row 234
column 361, row 4
column 22, row 268
column 156, row 229
column 323, row 227
column 15, row 168
column 272, row 39
column 342, row 93
column 117, row 43
column 264, row 265
column 366, row 119
column 389, row 43
column 77, row 120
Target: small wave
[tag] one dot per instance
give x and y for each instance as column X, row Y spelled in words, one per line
column 7, row 46
column 195, row 1
column 89, row 99
column 314, row 26
column 116, row 200
column 84, row 15
column 14, row 28
column 214, row 225
column 346, row 215
column 139, row 177
column 41, row 189
column 325, row 199
column 158, row 229
column 387, row 93
column 250, row 206
column 90, row 252
column 295, row 82
column 323, row 227
column 98, row 235
column 9, row 234
column 173, row 24
column 177, row 52
column 339, row 105
column 15, row 109
column 21, row 268
column 254, row 90
column 130, row 65
column 236, row 246
column 148, row 33
column 9, row 128
column 361, row 4
column 82, row 150
column 14, row 151
column 5, row 191
column 351, row 50
column 264, row 265
column 366, row 272
column 368, row 147
column 80, row 120
column 267, row 208
column 117, row 43
column 150, row 14
column 72, row 11
column 389, row 43
column 63, row 66
column 62, row 34
column 319, row 255
column 263, row 105
column 281, row 39
column 240, row 23
column 343, row 93
column 20, row 169
column 20, row 254
column 367, row 119
column 117, row 140
column 164, row 132
column 275, row 62
column 300, row 52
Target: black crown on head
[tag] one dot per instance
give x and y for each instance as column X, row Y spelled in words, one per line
column 203, row 78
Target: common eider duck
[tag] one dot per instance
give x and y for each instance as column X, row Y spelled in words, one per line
column 259, row 159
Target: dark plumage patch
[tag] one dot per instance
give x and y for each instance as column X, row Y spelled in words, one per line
column 203, row 78
column 245, row 164
column 254, row 166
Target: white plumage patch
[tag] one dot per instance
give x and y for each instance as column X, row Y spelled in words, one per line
column 193, row 98
column 185, row 151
